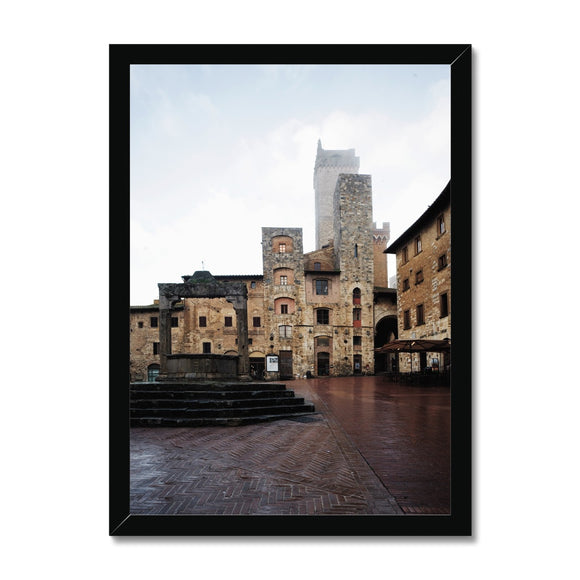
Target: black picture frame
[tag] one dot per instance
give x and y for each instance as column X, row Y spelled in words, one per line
column 459, row 522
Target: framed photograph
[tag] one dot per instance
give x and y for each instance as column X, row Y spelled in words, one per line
column 290, row 233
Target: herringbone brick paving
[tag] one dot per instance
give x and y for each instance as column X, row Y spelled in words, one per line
column 308, row 466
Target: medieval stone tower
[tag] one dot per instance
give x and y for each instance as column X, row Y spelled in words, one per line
column 328, row 165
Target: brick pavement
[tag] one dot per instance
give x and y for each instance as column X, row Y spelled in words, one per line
column 353, row 457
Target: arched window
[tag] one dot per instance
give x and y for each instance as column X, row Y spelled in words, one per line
column 356, row 296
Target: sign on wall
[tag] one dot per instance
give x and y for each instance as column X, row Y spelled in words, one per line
column 272, row 363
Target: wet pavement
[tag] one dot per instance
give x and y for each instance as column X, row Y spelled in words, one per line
column 372, row 447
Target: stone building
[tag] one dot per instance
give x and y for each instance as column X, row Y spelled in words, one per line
column 321, row 312
column 423, row 255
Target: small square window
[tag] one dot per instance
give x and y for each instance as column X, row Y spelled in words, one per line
column 321, row 287
column 442, row 262
column 202, row 321
column 140, row 324
column 174, row 322
column 154, row 322
column 285, row 331
column 407, row 319
column 228, row 321
column 317, row 265
column 283, row 280
column 257, row 322
column 283, row 308
column 357, row 340
column 282, row 248
column 155, row 348
column 406, row 284
column 419, row 277
column 322, row 316
column 207, row 348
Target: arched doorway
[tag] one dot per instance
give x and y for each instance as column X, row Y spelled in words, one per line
column 386, row 331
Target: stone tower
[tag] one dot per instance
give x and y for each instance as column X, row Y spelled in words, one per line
column 329, row 164
column 354, row 254
column 381, row 238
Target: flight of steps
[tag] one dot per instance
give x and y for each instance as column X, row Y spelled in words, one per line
column 196, row 404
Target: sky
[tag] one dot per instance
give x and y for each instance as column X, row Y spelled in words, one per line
column 220, row 151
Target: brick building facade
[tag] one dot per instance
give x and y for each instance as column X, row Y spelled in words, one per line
column 317, row 312
column 423, row 254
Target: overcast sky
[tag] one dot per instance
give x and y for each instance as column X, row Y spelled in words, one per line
column 219, row 151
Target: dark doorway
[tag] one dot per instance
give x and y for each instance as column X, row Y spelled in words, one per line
column 386, row 331
column 323, row 364
column 357, row 360
column 285, row 362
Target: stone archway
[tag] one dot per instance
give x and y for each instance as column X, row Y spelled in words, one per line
column 203, row 285
column 385, row 331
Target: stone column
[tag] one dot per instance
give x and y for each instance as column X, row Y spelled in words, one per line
column 164, row 332
column 241, row 308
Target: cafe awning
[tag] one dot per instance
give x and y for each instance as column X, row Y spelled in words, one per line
column 415, row 345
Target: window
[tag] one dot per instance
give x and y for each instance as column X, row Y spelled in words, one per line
column 317, row 265
column 154, row 322
column 283, row 280
column 356, row 316
column 322, row 316
column 285, row 331
column 282, row 248
column 155, row 348
column 321, row 287
column 252, row 284
column 202, row 321
column 283, row 308
column 444, row 305
column 419, row 277
column 323, row 341
column 174, row 322
column 357, row 340
column 256, row 322
column 356, row 250
column 440, row 225
column 228, row 321
column 406, row 284
column 407, row 319
column 442, row 262
column 140, row 324
column 405, row 255
column 420, row 314
column 206, row 348
column 418, row 245
column 356, row 296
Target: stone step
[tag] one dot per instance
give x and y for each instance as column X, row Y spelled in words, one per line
column 223, row 411
column 170, row 386
column 199, row 395
column 204, row 403
column 212, row 403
